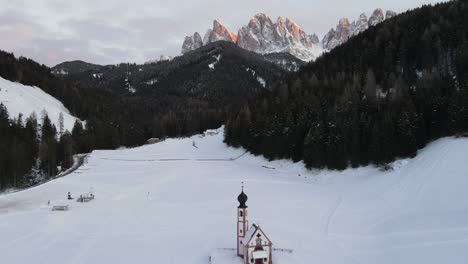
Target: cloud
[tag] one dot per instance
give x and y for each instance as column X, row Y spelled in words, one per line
column 107, row 32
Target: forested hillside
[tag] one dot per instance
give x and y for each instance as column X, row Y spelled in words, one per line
column 126, row 104
column 383, row 94
column 33, row 149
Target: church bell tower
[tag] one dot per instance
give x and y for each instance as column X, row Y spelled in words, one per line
column 242, row 223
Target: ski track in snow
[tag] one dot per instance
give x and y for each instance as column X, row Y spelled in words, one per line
column 331, row 214
column 155, row 200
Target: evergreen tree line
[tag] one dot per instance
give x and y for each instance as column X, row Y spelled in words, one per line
column 187, row 98
column 382, row 95
column 33, row 150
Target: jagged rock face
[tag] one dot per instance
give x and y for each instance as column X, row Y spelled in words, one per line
column 376, row 17
column 345, row 30
column 192, row 43
column 219, row 32
column 342, row 31
column 338, row 36
column 390, row 14
column 359, row 25
column 263, row 36
column 328, row 38
column 258, row 35
column 314, row 39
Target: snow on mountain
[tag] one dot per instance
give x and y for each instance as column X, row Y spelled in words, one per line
column 336, row 37
column 376, row 17
column 213, row 64
column 344, row 30
column 162, row 57
column 390, row 14
column 260, row 80
column 359, row 25
column 219, row 32
column 24, row 99
column 263, row 36
column 285, row 61
column 172, row 202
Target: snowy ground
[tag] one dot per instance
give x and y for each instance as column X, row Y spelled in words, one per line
column 152, row 210
column 25, row 99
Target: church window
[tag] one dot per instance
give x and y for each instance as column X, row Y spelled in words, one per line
column 240, row 213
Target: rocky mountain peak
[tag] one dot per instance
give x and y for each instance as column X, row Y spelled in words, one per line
column 314, row 38
column 359, row 25
column 219, row 32
column 261, row 17
column 192, row 42
column 344, row 30
column 343, row 23
column 390, row 14
column 376, row 17
column 233, row 37
column 261, row 24
column 264, row 35
column 219, row 28
column 337, row 36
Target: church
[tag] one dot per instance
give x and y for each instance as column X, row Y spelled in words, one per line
column 252, row 243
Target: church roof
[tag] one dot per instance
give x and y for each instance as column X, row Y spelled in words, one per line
column 250, row 233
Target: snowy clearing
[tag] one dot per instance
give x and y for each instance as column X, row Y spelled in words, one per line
column 260, row 80
column 25, row 99
column 217, row 58
column 172, row 203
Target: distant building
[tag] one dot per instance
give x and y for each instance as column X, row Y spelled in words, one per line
column 253, row 245
column 211, row 132
column 153, row 140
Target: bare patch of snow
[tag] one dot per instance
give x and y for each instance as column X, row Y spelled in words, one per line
column 260, row 80
column 152, row 81
column 212, row 65
column 98, row 75
column 131, row 89
column 381, row 94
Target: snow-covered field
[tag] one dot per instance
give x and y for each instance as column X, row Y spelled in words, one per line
column 25, row 99
column 152, row 210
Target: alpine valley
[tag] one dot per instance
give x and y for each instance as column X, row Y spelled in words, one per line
column 264, row 145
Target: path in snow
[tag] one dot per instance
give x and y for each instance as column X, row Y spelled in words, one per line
column 180, row 211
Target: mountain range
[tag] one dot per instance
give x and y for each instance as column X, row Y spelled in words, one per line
column 263, row 35
column 344, row 30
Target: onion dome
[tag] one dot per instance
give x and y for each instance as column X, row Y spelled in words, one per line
column 242, row 198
